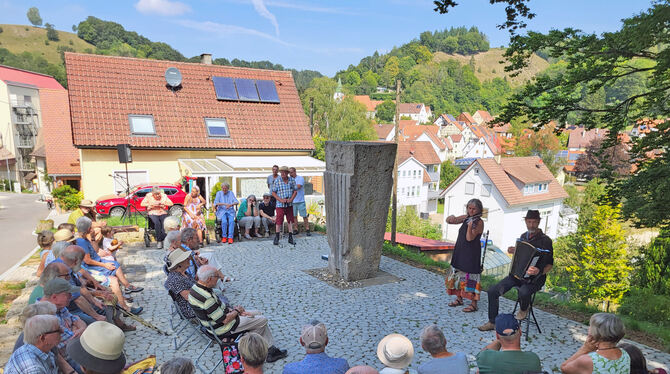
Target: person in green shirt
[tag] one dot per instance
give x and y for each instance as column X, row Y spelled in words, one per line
column 247, row 216
column 87, row 208
column 504, row 355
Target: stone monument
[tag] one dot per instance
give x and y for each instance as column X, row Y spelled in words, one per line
column 358, row 183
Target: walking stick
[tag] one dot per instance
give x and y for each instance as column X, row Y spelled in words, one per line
column 486, row 243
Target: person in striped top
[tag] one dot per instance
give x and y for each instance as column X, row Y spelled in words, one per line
column 211, row 312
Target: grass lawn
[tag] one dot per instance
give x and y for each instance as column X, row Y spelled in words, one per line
column 8, row 292
column 23, row 38
column 440, row 207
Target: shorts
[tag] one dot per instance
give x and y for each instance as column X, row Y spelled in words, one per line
column 281, row 212
column 300, row 208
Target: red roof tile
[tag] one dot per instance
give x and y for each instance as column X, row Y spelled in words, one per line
column 456, row 137
column 9, row 74
column 466, row 117
column 581, row 138
column 62, row 156
column 383, row 130
column 411, row 108
column 421, row 151
column 104, row 90
column 486, row 116
column 370, row 105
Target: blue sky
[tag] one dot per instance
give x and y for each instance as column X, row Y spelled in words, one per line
column 310, row 34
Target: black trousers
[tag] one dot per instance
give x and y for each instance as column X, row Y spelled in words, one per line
column 526, row 290
column 158, row 226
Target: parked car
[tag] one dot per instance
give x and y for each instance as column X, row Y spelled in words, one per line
column 115, row 205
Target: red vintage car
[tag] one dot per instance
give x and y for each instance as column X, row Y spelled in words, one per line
column 115, row 205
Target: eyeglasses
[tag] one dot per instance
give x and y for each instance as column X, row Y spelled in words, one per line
column 60, row 331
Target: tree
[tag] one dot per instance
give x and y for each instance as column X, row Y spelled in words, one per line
column 52, row 34
column 34, row 16
column 448, row 173
column 653, row 271
column 607, row 61
column 534, row 142
column 607, row 162
column 348, row 121
column 602, row 270
column 386, row 111
column 594, row 194
column 321, row 90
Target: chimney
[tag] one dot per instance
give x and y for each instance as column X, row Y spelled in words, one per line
column 206, row 58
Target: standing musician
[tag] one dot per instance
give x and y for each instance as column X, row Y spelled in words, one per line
column 537, row 274
column 466, row 259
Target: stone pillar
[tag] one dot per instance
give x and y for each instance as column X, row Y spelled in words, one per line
column 358, row 183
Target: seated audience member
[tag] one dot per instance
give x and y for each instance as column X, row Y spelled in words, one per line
column 171, row 223
column 224, row 204
column 101, row 269
column 99, row 350
column 504, row 355
column 109, row 245
column 266, row 209
column 192, row 215
column 44, row 239
column 362, row 369
column 638, row 364
column 314, row 338
column 41, row 334
column 253, row 352
column 434, row 342
column 178, row 365
column 67, row 226
column 177, row 280
column 62, row 238
column 600, row 354
column 37, row 309
column 172, row 241
column 87, row 209
column 157, row 204
column 190, row 243
column 59, row 292
column 247, row 216
column 395, row 351
column 225, row 321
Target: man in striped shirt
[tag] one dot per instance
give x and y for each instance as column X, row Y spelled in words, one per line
column 225, row 321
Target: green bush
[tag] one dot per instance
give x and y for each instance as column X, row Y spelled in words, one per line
column 645, row 305
column 407, row 222
column 67, row 197
column 215, row 189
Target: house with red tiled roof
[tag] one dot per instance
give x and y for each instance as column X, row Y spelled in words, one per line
column 418, row 176
column 482, row 117
column 482, row 144
column 27, row 113
column 416, row 111
column 210, row 122
column 370, row 105
column 385, row 132
column 467, row 118
column 507, row 188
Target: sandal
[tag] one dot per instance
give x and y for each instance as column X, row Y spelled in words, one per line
column 470, row 308
column 132, row 288
column 455, row 303
column 126, row 328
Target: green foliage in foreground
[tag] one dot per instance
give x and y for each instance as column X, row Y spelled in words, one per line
column 418, row 257
column 407, row 222
column 31, row 62
column 67, row 197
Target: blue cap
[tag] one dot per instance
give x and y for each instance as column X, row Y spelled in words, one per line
column 506, row 324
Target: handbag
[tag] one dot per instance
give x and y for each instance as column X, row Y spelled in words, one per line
column 231, row 359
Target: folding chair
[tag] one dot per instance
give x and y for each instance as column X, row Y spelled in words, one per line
column 530, row 314
column 212, row 338
column 183, row 323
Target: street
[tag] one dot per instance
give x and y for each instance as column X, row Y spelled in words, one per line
column 19, row 214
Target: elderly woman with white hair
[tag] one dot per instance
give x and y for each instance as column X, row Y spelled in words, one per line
column 171, row 223
column 600, row 354
column 192, row 217
column 224, row 204
column 157, row 204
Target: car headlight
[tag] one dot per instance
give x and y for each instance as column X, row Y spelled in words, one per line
column 105, row 203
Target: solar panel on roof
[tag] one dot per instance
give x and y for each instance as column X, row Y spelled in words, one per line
column 225, row 88
column 267, row 91
column 246, row 89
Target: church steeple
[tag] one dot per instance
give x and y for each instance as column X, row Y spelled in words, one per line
column 338, row 91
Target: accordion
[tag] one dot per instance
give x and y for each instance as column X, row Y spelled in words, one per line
column 525, row 256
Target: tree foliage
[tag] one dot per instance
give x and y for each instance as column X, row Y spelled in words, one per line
column 33, row 15
column 653, row 271
column 455, row 40
column 448, row 173
column 28, row 61
column 52, row 34
column 594, row 89
column 408, row 223
column 514, row 10
column 386, row 111
column 602, row 270
column 607, row 162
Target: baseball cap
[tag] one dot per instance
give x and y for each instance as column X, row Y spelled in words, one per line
column 58, row 285
column 506, row 324
column 314, row 335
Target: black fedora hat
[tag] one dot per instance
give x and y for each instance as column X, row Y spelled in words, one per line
column 532, row 214
column 99, row 348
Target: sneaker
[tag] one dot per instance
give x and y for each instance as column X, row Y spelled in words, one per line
column 247, row 236
column 308, row 233
column 276, row 241
column 295, row 232
column 136, row 310
column 134, row 289
column 290, row 239
column 275, row 354
column 267, row 234
column 230, row 240
column 159, row 245
column 521, row 315
column 488, row 326
column 258, row 235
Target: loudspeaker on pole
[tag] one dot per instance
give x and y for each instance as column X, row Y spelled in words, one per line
column 125, row 156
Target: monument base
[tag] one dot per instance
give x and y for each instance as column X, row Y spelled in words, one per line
column 337, row 281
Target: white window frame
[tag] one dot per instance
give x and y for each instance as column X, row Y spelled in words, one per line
column 471, row 187
column 209, row 134
column 486, row 190
column 117, row 186
column 141, row 116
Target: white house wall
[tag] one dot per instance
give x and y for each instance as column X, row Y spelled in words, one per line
column 407, row 180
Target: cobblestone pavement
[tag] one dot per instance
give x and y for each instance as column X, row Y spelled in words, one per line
column 273, row 279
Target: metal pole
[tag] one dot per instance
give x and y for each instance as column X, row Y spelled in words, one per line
column 394, row 199
column 311, row 116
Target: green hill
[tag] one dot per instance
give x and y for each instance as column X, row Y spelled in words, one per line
column 487, row 65
column 20, row 38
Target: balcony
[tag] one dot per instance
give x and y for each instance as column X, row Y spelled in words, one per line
column 432, row 194
column 25, row 143
column 26, row 166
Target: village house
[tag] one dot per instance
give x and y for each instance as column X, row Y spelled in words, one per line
column 418, row 177
column 507, row 187
column 385, row 131
column 214, row 123
column 370, row 105
column 416, row 111
column 35, row 130
column 578, row 140
column 482, row 117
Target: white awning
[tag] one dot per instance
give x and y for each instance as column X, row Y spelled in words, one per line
column 246, row 165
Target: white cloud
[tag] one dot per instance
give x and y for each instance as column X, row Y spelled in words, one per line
column 162, row 7
column 224, row 30
column 263, row 11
